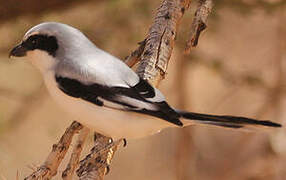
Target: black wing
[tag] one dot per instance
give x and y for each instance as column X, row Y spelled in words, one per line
column 125, row 97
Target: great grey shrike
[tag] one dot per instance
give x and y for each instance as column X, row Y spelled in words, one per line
column 102, row 92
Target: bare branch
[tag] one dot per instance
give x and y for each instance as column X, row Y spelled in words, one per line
column 96, row 164
column 199, row 23
column 134, row 57
column 50, row 166
column 74, row 159
column 160, row 40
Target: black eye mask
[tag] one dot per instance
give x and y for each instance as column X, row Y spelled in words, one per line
column 42, row 42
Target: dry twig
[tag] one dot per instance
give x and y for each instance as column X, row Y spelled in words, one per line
column 50, row 166
column 134, row 57
column 74, row 159
column 199, row 23
column 160, row 40
column 96, row 164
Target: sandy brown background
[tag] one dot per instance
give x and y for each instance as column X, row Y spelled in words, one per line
column 238, row 68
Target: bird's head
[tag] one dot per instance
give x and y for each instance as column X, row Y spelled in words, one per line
column 48, row 43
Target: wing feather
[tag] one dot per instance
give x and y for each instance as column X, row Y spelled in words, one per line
column 141, row 98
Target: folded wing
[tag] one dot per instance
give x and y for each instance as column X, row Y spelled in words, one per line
column 141, row 98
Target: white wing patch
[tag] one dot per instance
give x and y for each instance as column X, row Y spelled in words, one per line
column 137, row 103
column 159, row 97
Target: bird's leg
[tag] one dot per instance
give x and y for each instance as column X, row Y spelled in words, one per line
column 100, row 156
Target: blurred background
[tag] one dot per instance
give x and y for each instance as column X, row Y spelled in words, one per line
column 238, row 68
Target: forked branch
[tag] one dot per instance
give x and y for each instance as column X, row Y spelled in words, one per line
column 59, row 150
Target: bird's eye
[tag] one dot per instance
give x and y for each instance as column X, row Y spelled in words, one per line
column 42, row 42
column 34, row 41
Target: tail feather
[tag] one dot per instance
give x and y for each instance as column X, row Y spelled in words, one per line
column 226, row 121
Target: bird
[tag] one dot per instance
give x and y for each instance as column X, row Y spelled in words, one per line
column 102, row 92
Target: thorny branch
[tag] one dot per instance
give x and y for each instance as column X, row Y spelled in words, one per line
column 74, row 159
column 134, row 57
column 59, row 150
column 160, row 40
column 199, row 23
column 96, row 164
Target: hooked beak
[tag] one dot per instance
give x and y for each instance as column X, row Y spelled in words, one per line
column 18, row 51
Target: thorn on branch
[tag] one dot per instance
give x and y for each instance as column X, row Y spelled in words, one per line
column 183, row 10
column 201, row 26
column 134, row 57
column 199, row 23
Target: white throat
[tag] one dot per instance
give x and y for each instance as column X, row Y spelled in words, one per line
column 42, row 60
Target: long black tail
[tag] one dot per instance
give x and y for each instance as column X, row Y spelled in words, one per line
column 226, row 121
